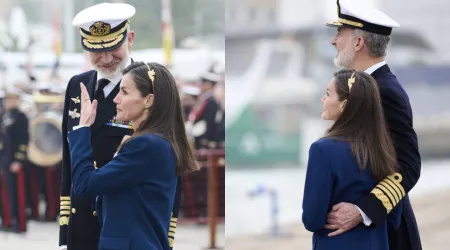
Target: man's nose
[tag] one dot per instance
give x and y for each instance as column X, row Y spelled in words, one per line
column 106, row 57
column 333, row 40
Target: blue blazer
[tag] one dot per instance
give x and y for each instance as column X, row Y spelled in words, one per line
column 79, row 224
column 333, row 176
column 138, row 187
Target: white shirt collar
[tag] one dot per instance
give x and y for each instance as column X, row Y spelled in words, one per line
column 113, row 82
column 374, row 67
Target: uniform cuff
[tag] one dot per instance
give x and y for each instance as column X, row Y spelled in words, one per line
column 79, row 126
column 366, row 220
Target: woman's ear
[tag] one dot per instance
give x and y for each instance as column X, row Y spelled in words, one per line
column 343, row 105
column 149, row 101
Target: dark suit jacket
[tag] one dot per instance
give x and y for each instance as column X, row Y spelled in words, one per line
column 14, row 139
column 138, row 188
column 211, row 116
column 399, row 118
column 333, row 176
column 79, row 222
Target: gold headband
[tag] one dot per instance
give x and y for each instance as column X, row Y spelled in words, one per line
column 351, row 80
column 151, row 74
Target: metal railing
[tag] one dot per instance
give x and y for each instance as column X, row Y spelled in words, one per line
column 210, row 162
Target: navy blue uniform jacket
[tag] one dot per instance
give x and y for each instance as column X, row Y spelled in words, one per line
column 138, row 187
column 333, row 176
column 399, row 119
column 14, row 140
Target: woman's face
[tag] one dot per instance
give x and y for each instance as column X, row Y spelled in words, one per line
column 332, row 107
column 131, row 106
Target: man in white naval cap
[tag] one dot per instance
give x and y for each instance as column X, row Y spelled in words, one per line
column 361, row 41
column 107, row 39
column 205, row 122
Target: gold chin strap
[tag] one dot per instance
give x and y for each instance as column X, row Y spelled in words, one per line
column 351, row 80
column 151, row 75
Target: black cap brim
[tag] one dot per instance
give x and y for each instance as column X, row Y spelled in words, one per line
column 105, row 41
column 103, row 45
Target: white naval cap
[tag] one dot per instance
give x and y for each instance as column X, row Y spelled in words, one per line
column 190, row 90
column 103, row 27
column 354, row 14
column 12, row 91
column 210, row 76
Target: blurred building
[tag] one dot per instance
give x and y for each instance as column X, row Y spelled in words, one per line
column 270, row 14
column 250, row 14
column 431, row 19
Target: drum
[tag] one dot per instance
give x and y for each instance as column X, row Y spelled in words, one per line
column 45, row 146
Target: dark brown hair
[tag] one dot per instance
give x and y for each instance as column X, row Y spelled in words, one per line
column 165, row 116
column 362, row 123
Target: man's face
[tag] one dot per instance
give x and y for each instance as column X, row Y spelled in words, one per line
column 206, row 86
column 11, row 102
column 111, row 63
column 188, row 100
column 343, row 42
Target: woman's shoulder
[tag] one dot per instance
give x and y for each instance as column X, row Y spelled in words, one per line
column 151, row 139
column 151, row 142
column 329, row 144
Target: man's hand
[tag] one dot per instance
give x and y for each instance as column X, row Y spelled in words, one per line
column 343, row 217
column 15, row 167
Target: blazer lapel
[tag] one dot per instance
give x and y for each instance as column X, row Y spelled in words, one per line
column 105, row 110
column 90, row 85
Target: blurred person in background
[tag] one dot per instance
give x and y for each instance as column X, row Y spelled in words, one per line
column 189, row 97
column 14, row 144
column 140, row 183
column 219, row 94
column 205, row 119
column 346, row 163
column 107, row 39
column 219, row 90
column 43, row 180
column 204, row 125
column 361, row 41
column 2, row 95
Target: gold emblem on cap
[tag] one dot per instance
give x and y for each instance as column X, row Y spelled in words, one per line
column 100, row 29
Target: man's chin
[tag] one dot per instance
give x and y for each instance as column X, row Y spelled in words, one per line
column 336, row 62
column 108, row 73
column 339, row 64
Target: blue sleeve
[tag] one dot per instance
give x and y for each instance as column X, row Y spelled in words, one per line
column 128, row 169
column 318, row 189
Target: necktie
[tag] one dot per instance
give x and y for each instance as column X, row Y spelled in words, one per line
column 99, row 95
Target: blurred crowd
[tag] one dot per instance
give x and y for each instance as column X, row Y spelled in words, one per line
column 31, row 146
